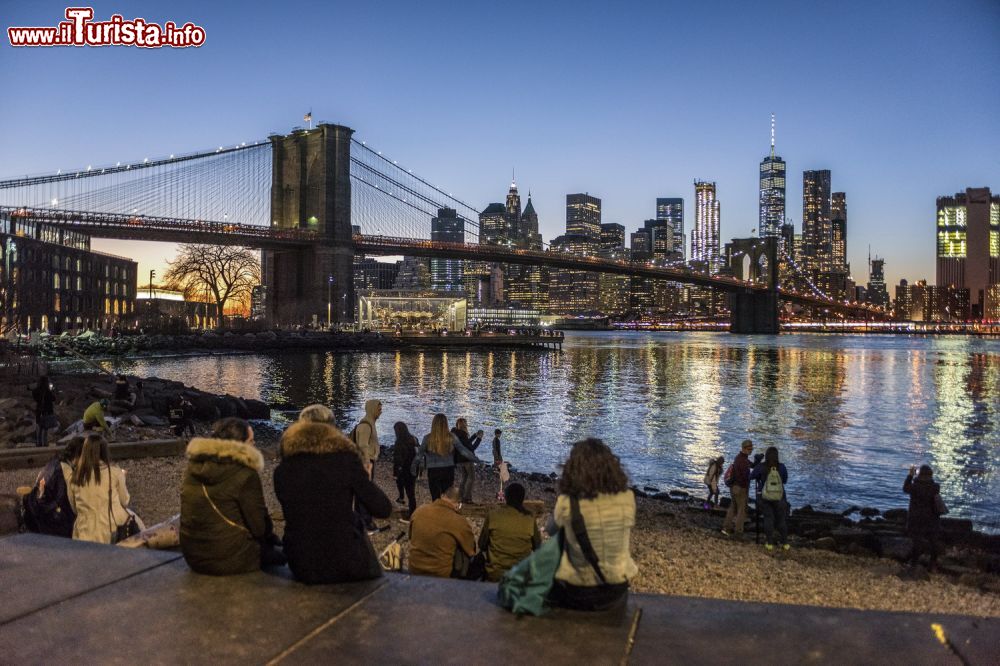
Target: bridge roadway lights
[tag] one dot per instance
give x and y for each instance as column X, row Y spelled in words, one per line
column 753, row 312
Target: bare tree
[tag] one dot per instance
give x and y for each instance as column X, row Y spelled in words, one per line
column 228, row 273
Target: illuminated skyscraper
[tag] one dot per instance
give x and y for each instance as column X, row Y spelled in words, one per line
column 671, row 209
column 838, row 232
column 968, row 247
column 817, row 236
column 447, row 227
column 583, row 217
column 772, row 193
column 612, row 236
column 705, row 235
column 877, row 293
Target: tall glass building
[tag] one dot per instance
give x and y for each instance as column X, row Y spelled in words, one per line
column 447, row 227
column 705, row 235
column 583, row 217
column 838, row 232
column 772, row 193
column 671, row 209
column 817, row 232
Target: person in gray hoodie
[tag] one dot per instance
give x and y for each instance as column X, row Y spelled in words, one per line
column 365, row 436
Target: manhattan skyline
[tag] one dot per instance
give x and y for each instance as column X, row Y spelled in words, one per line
column 628, row 103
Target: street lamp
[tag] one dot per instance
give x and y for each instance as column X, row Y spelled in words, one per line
column 329, row 300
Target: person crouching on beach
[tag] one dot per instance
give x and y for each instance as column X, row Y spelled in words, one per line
column 712, row 476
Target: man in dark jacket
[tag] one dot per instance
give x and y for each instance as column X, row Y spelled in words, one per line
column 318, row 482
column 45, row 410
column 225, row 528
column 736, row 515
column 923, row 522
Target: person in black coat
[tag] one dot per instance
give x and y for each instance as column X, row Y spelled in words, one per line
column 403, row 453
column 923, row 523
column 45, row 410
column 317, row 482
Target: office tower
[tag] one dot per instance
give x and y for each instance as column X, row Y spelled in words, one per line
column 494, row 226
column 614, row 290
column 816, row 230
column 968, row 247
column 642, row 245
column 413, row 273
column 877, row 293
column 583, row 216
column 661, row 237
column 447, row 227
column 612, row 235
column 671, row 209
column 705, row 235
column 838, row 232
column 527, row 286
column 573, row 292
column 514, row 203
column 530, row 238
column 772, row 193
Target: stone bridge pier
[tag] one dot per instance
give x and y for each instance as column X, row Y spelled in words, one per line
column 754, row 311
column 311, row 190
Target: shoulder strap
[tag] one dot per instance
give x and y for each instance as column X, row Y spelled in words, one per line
column 216, row 509
column 582, row 538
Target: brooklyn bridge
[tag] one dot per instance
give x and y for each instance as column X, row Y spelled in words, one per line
column 312, row 199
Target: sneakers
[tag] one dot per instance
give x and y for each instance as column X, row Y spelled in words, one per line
column 724, row 532
column 400, row 500
column 786, row 547
column 405, row 521
column 769, row 547
column 375, row 529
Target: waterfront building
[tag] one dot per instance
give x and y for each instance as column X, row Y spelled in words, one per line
column 817, row 249
column 411, row 310
column 968, row 245
column 573, row 292
column 671, row 209
column 614, row 290
column 167, row 311
column 877, row 294
column 583, row 217
column 369, row 273
column 50, row 280
column 771, row 203
column 705, row 236
column 447, row 274
column 504, row 316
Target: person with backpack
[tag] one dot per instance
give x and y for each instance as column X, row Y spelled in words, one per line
column 712, row 476
column 365, row 436
column 465, row 464
column 404, row 452
column 45, row 410
column 737, row 477
column 595, row 511
column 772, row 504
column 47, row 509
column 923, row 519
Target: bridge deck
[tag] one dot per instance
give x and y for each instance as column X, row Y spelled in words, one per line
column 70, row 601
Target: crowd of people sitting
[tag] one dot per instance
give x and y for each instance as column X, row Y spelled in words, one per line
column 324, row 482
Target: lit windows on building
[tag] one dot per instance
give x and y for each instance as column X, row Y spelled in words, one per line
column 705, row 235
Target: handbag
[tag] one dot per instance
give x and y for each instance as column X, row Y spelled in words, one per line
column 523, row 590
column 131, row 526
column 940, row 508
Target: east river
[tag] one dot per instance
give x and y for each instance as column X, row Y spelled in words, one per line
column 849, row 414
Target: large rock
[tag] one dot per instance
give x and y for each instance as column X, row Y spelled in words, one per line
column 257, row 409
column 898, row 548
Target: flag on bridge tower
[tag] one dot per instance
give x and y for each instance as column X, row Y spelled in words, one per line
column 309, row 118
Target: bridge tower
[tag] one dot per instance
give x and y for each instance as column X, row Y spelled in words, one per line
column 311, row 189
column 752, row 311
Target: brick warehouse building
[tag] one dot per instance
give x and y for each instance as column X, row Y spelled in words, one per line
column 50, row 280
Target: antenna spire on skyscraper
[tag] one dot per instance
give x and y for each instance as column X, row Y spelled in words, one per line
column 772, row 135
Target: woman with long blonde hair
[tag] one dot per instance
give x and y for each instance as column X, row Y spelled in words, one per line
column 437, row 455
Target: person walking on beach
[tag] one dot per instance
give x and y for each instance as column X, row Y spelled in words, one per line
column 404, row 452
column 437, row 455
column 45, row 410
column 772, row 504
column 712, row 476
column 923, row 520
column 365, row 436
column 465, row 464
column 738, row 479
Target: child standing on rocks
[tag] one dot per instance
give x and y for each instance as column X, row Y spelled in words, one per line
column 712, row 475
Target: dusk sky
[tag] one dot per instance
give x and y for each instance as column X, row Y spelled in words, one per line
column 626, row 101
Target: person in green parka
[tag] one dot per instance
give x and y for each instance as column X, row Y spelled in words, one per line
column 225, row 528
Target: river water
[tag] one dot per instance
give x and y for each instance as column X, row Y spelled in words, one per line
column 849, row 414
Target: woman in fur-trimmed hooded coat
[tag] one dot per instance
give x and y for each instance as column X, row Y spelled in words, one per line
column 223, row 515
column 317, row 482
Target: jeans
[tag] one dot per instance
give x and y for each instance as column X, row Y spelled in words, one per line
column 406, row 483
column 41, row 432
column 360, row 509
column 468, row 480
column 440, row 479
column 774, row 513
column 736, row 515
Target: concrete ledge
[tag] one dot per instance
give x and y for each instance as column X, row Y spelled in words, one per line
column 37, row 457
column 68, row 602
